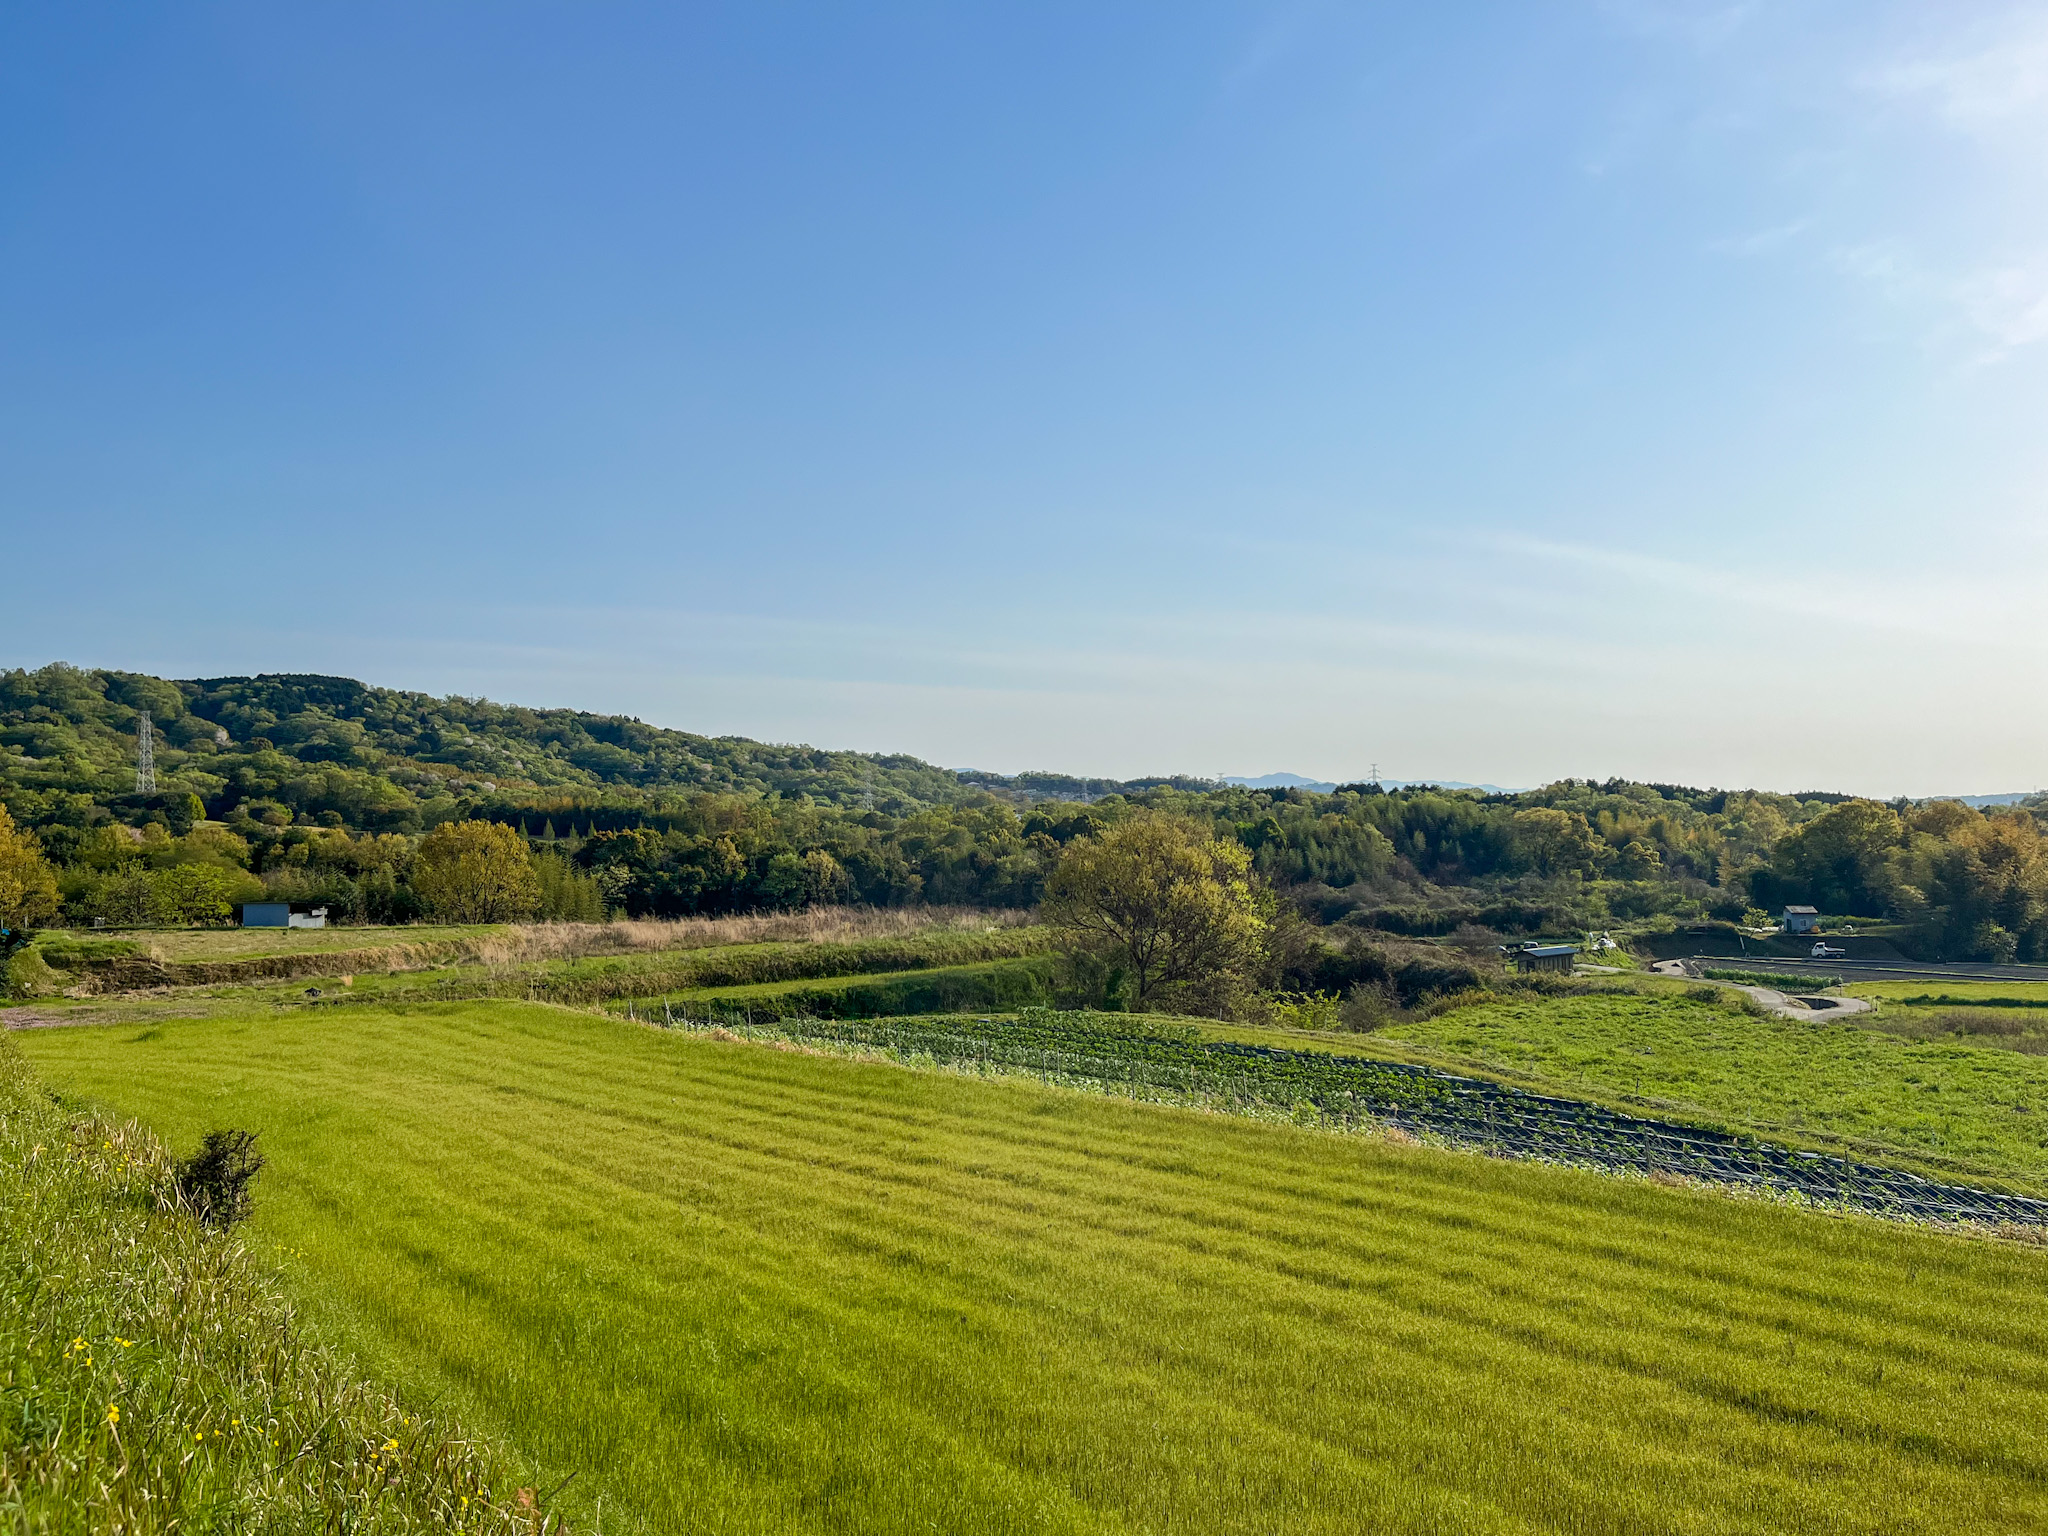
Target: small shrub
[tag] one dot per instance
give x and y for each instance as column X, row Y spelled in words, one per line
column 1307, row 1010
column 1425, row 977
column 26, row 975
column 1368, row 1008
column 1450, row 1002
column 214, row 1181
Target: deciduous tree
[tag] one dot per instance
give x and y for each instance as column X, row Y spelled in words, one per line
column 476, row 872
column 1177, row 911
column 197, row 893
column 28, row 887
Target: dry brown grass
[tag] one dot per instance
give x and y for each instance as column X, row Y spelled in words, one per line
column 528, row 942
column 522, row 944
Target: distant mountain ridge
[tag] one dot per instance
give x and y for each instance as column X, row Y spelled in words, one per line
column 1326, row 786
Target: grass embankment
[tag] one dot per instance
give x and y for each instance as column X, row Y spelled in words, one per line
column 1781, row 981
column 98, row 964
column 1943, row 1107
column 152, row 1380
column 202, row 945
column 754, row 1290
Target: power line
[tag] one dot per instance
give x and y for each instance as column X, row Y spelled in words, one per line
column 145, row 755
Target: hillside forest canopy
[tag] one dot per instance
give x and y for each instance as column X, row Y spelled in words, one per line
column 322, row 790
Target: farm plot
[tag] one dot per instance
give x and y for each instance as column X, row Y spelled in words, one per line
column 1951, row 1109
column 1136, row 1056
column 750, row 1290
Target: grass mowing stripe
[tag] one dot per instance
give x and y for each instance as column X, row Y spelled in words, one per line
column 1106, row 1053
column 821, row 1295
column 782, row 1111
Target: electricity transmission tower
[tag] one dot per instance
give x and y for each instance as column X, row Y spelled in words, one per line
column 145, row 755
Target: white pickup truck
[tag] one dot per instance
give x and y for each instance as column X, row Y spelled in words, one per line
column 1822, row 952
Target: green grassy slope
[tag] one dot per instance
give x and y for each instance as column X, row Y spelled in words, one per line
column 739, row 1289
column 153, row 1381
column 1949, row 1105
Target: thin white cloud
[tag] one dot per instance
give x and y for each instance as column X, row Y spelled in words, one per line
column 1990, row 82
column 1998, row 609
column 1761, row 241
column 2009, row 303
column 2004, row 304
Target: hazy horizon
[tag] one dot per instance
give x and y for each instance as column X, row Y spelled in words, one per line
column 1629, row 389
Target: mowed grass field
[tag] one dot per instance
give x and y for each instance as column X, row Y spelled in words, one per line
column 735, row 1289
column 1947, row 1107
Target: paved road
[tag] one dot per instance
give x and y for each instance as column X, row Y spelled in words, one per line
column 1776, row 1001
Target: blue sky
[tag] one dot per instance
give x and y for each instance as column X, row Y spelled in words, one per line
column 1493, row 392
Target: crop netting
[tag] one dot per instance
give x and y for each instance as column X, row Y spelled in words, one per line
column 1124, row 1053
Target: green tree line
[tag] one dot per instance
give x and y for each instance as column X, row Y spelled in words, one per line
column 327, row 791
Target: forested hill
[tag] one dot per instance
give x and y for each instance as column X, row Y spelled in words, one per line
column 384, row 759
column 320, row 787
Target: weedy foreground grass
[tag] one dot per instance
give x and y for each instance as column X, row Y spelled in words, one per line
column 738, row 1289
column 1943, row 1106
column 2009, row 1015
column 151, row 1381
